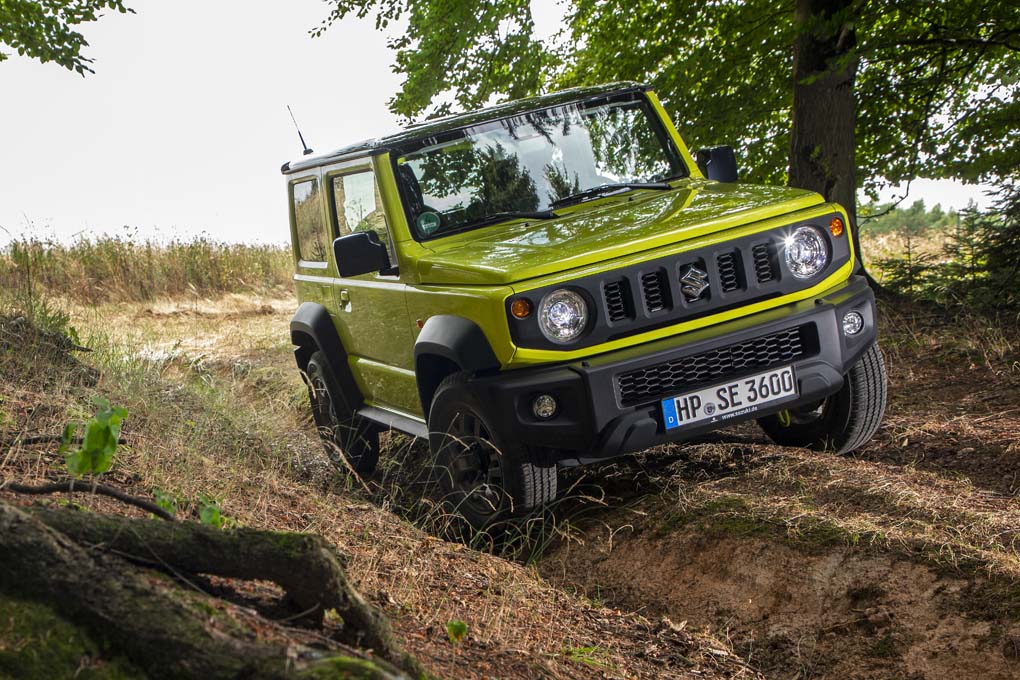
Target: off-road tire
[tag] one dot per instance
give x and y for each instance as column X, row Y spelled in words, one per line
column 524, row 483
column 350, row 441
column 844, row 421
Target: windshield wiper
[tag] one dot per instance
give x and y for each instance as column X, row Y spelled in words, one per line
column 513, row 215
column 607, row 189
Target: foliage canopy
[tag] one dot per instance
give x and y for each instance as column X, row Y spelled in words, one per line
column 936, row 88
column 46, row 30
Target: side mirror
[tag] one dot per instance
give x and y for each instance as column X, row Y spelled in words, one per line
column 718, row 163
column 360, row 253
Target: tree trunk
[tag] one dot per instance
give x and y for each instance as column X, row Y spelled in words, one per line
column 822, row 140
column 168, row 631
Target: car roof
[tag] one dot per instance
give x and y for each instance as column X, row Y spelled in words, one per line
column 460, row 120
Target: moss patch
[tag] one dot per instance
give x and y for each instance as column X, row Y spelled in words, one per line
column 734, row 516
column 345, row 668
column 37, row 643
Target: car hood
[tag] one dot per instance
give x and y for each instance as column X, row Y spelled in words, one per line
column 516, row 251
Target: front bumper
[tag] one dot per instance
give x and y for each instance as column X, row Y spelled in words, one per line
column 601, row 416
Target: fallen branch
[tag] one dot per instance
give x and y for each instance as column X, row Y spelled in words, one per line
column 101, row 489
column 167, row 631
column 306, row 566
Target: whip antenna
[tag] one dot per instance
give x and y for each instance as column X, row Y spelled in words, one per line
column 300, row 136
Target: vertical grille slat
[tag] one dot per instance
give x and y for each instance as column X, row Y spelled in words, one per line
column 729, row 275
column 764, row 263
column 617, row 300
column 676, row 376
column 655, row 291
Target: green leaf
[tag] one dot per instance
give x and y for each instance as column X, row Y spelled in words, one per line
column 456, row 630
column 66, row 438
column 96, row 435
column 166, row 501
column 102, row 435
column 78, row 464
column 210, row 513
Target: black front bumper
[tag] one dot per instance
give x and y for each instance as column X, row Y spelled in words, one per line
column 601, row 416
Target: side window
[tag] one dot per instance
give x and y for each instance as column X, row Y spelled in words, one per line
column 311, row 232
column 358, row 206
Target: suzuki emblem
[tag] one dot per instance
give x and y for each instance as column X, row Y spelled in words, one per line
column 693, row 283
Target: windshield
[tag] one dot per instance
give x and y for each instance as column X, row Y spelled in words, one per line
column 524, row 165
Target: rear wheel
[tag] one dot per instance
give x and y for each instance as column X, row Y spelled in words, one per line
column 350, row 440
column 483, row 477
column 842, row 422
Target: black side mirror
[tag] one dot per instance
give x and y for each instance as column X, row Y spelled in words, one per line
column 718, row 163
column 360, row 253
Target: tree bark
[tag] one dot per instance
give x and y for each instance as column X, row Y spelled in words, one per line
column 164, row 629
column 822, row 141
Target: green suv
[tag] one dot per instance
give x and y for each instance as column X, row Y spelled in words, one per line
column 557, row 281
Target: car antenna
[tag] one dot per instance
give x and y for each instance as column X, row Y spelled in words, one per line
column 300, row 136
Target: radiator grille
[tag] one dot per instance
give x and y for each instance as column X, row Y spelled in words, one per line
column 615, row 295
column 764, row 263
column 654, row 291
column 685, row 373
column 729, row 277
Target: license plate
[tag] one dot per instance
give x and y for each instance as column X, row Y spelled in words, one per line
column 729, row 400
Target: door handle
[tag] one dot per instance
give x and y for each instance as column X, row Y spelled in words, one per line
column 345, row 297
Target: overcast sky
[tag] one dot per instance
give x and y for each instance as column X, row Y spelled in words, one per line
column 183, row 127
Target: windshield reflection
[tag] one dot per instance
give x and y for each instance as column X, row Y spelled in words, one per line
column 523, row 165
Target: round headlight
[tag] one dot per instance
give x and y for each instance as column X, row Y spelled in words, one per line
column 807, row 252
column 563, row 316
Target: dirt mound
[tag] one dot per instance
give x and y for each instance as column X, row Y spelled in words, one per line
column 833, row 613
column 32, row 355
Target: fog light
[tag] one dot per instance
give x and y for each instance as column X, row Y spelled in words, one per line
column 853, row 322
column 544, row 406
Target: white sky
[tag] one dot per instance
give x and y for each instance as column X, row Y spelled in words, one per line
column 183, row 127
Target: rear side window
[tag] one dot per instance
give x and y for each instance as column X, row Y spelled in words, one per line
column 358, row 206
column 311, row 232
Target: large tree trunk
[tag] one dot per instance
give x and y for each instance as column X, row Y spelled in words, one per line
column 168, row 631
column 822, row 140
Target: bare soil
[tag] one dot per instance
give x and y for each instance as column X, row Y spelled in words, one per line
column 901, row 561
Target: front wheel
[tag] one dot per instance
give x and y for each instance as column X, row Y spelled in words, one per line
column 350, row 440
column 484, row 478
column 842, row 422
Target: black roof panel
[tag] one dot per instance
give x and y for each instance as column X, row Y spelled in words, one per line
column 439, row 125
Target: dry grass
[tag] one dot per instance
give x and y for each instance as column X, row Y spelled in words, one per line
column 113, row 268
column 216, row 408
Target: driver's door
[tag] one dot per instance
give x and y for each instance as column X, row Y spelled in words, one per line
column 371, row 308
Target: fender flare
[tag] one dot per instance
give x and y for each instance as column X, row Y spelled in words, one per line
column 311, row 329
column 449, row 343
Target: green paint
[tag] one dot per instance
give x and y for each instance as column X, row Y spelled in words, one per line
column 471, row 274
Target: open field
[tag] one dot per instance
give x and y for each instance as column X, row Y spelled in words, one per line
column 720, row 559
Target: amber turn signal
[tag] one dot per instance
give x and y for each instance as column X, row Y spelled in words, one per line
column 836, row 226
column 521, row 308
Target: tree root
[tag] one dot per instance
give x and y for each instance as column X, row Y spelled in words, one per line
column 165, row 630
column 304, row 565
column 101, row 489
